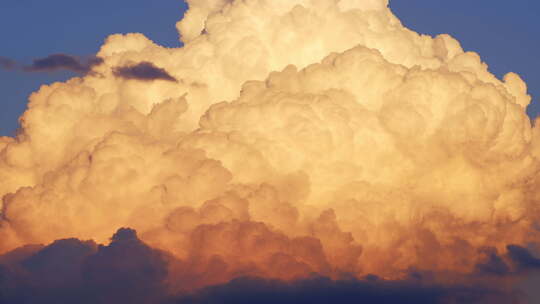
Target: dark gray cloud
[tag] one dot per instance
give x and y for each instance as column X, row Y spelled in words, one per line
column 129, row 271
column 523, row 257
column 56, row 62
column 75, row 271
column 126, row 271
column 325, row 290
column 493, row 264
column 145, row 71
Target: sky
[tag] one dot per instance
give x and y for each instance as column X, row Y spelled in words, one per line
column 506, row 35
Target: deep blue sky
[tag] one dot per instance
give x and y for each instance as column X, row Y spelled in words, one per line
column 505, row 33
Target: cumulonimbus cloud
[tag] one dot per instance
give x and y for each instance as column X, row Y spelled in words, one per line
column 285, row 150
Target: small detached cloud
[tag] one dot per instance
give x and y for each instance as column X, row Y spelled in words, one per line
column 145, row 71
column 56, row 62
column 52, row 63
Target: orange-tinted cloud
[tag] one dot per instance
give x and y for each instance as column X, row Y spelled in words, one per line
column 283, row 150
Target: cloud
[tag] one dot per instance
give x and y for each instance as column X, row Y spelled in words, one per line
column 129, row 271
column 75, row 271
column 145, row 71
column 523, row 257
column 125, row 271
column 325, row 290
column 285, row 150
column 56, row 62
column 493, row 263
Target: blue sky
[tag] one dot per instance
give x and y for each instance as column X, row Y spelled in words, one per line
column 505, row 33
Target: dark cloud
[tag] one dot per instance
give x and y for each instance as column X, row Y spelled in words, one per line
column 7, row 64
column 493, row 264
column 74, row 271
column 126, row 271
column 145, row 71
column 523, row 257
column 56, row 62
column 129, row 271
column 324, row 290
column 50, row 273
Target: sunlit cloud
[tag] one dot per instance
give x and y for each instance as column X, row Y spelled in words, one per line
column 285, row 139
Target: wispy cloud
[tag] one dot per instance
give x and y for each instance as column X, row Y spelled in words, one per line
column 57, row 62
column 54, row 62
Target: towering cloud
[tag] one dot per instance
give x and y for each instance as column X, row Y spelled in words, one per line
column 290, row 137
